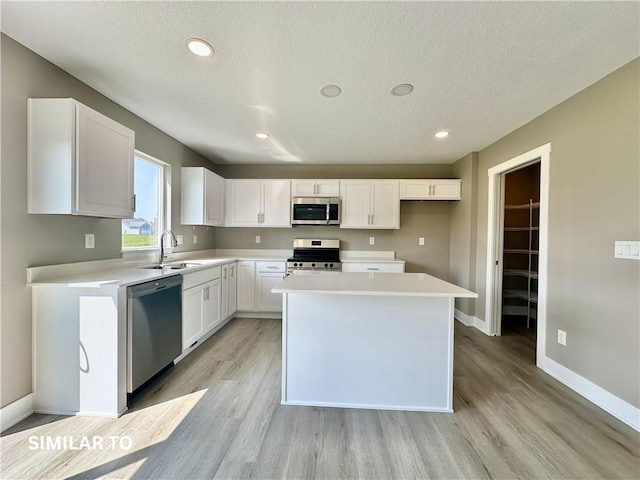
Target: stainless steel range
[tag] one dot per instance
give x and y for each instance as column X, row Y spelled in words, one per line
column 315, row 254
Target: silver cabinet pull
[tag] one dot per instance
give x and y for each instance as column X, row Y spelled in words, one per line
column 372, row 268
column 271, row 267
column 224, row 273
column 231, row 272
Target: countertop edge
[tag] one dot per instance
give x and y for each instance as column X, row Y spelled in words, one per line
column 376, row 293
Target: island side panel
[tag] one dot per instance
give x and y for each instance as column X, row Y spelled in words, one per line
column 368, row 351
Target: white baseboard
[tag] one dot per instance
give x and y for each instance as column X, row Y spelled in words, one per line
column 623, row 411
column 471, row 321
column 16, row 412
column 463, row 318
column 267, row 315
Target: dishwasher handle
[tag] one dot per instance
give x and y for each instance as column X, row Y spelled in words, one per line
column 147, row 288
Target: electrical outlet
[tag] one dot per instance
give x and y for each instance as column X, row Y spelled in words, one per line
column 179, row 239
column 195, row 239
column 257, row 238
column 420, row 240
column 89, row 240
column 562, row 337
column 372, row 240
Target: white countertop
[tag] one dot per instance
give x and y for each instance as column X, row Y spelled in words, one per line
column 391, row 284
column 383, row 256
column 370, row 260
column 105, row 275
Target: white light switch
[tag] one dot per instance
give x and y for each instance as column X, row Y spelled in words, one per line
column 372, row 240
column 257, row 238
column 420, row 240
column 89, row 240
column 179, row 239
column 627, row 249
column 195, row 239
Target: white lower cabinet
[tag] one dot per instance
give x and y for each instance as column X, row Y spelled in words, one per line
column 192, row 316
column 246, row 285
column 233, row 288
column 201, row 304
column 255, row 281
column 229, row 290
column 212, row 293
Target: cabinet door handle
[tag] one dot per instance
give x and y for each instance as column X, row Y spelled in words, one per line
column 271, row 267
column 206, row 293
column 371, row 219
column 372, row 268
column 231, row 271
column 224, row 273
column 134, row 203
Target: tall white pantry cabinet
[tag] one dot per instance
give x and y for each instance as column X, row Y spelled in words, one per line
column 80, row 162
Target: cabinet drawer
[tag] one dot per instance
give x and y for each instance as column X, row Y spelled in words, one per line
column 389, row 267
column 202, row 276
column 270, row 267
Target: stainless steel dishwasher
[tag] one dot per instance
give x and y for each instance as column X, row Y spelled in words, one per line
column 154, row 328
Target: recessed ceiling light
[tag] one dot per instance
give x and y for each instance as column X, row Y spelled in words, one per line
column 442, row 134
column 199, row 47
column 402, row 89
column 330, row 91
column 262, row 135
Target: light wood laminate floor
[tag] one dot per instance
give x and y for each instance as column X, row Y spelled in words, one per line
column 217, row 415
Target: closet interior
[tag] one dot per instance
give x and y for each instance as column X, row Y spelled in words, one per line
column 520, row 250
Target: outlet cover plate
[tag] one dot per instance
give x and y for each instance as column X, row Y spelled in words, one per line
column 562, row 337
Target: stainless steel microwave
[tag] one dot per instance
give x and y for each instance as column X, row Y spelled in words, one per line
column 315, row 211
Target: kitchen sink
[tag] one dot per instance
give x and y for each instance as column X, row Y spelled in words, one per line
column 172, row 266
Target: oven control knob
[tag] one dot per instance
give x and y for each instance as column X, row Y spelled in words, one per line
column 295, row 264
column 313, row 265
column 331, row 265
column 326, row 265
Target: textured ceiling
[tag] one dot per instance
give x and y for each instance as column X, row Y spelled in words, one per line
column 479, row 69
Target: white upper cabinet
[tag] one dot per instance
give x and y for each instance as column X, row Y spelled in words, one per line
column 80, row 162
column 370, row 204
column 430, row 189
column 315, row 188
column 202, row 197
column 258, row 203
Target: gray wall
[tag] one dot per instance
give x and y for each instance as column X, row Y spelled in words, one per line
column 462, row 251
column 29, row 240
column 417, row 219
column 594, row 200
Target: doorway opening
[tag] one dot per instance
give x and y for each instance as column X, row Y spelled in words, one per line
column 521, row 243
column 517, row 247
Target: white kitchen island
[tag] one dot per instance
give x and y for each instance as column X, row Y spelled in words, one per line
column 368, row 340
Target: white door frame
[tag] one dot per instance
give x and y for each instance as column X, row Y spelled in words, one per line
column 495, row 222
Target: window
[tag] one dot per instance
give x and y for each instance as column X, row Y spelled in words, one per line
column 152, row 204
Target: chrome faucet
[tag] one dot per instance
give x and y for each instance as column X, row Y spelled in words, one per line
column 174, row 243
